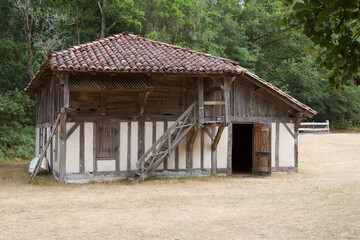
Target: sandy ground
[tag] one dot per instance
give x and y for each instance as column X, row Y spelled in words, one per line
column 322, row 201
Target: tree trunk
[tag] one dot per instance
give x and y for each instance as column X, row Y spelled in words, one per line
column 77, row 25
column 101, row 7
column 27, row 31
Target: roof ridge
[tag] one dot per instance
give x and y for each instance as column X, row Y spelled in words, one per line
column 117, row 35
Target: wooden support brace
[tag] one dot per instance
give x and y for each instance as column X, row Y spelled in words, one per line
column 142, row 101
column 297, row 124
column 217, row 138
column 192, row 138
column 49, row 140
column 71, row 130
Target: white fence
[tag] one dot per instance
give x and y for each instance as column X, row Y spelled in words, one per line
column 315, row 126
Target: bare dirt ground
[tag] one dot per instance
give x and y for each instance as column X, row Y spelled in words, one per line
column 322, row 201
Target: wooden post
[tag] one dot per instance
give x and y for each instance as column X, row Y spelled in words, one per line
column 82, row 148
column 217, row 138
column 227, row 100
column 142, row 101
column 66, row 92
column 201, row 99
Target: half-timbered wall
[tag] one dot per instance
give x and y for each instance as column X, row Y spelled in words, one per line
column 200, row 158
column 137, row 132
column 283, row 146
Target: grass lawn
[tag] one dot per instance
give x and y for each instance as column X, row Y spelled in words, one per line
column 322, row 201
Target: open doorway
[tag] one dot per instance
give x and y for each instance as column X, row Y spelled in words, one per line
column 242, row 148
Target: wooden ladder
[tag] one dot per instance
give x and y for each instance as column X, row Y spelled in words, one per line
column 163, row 147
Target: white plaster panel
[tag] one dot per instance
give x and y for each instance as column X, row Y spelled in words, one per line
column 197, row 152
column 106, row 166
column 88, row 147
column 207, row 151
column 273, row 139
column 72, row 150
column 123, row 145
column 222, row 150
column 148, row 135
column 182, row 154
column 134, row 144
column 286, row 143
column 171, row 159
column 159, row 133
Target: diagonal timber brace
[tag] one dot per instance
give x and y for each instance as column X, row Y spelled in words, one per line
column 217, row 138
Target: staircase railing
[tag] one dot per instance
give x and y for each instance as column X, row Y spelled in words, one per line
column 163, row 147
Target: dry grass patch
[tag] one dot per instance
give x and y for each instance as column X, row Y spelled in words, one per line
column 320, row 202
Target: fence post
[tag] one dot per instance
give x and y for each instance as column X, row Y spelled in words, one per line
column 327, row 126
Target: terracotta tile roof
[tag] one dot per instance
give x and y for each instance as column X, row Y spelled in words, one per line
column 127, row 52
column 130, row 53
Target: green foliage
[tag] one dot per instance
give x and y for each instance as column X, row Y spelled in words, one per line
column 334, row 27
column 16, row 125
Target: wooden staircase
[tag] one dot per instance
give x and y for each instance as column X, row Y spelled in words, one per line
column 163, row 147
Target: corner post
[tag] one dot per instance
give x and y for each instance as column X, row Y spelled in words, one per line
column 65, row 95
column 227, row 100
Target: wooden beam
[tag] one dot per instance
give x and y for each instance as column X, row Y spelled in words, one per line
column 192, row 138
column 217, row 138
column 63, row 125
column 129, row 148
column 227, row 100
column 206, row 130
column 210, row 103
column 94, row 148
column 82, row 148
column 71, row 130
column 143, row 98
column 277, row 145
column 297, row 124
column 237, row 119
column 201, row 99
column 65, row 87
column 289, row 130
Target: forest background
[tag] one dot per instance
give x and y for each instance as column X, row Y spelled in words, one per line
column 244, row 31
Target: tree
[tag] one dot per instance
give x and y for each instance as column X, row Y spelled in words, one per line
column 119, row 12
column 334, row 28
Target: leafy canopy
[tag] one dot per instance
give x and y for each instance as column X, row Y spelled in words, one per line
column 334, row 28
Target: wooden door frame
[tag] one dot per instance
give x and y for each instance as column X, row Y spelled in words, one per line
column 231, row 141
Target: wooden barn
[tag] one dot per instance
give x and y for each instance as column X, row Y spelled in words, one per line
column 128, row 105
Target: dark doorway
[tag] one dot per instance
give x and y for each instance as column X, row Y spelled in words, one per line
column 242, row 148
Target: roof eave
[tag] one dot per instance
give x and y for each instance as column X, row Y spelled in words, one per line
column 30, row 87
